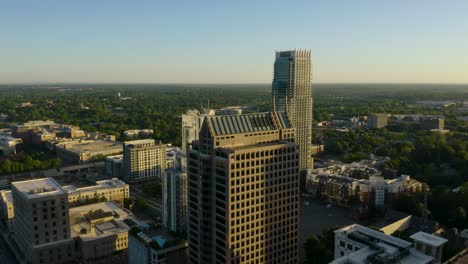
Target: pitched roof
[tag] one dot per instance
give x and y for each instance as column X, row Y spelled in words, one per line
column 234, row 124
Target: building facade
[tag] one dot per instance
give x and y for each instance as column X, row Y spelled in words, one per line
column 114, row 166
column 113, row 190
column 174, row 200
column 292, row 93
column 191, row 125
column 144, row 160
column 6, row 208
column 243, row 176
column 377, row 121
column 41, row 226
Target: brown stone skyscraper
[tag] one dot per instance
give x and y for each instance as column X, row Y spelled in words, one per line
column 244, row 190
column 292, row 92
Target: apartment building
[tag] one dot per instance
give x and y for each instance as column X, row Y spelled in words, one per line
column 144, row 160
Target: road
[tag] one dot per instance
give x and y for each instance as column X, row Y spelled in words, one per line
column 154, row 205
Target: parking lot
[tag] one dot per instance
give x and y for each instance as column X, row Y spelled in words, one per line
column 317, row 216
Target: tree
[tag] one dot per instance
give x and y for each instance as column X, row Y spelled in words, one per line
column 320, row 249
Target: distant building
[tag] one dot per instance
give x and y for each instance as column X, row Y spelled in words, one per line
column 41, row 224
column 144, row 160
column 84, row 150
column 138, row 132
column 425, row 122
column 357, row 244
column 36, row 132
column 430, row 123
column 377, row 121
column 114, row 166
column 342, row 183
column 316, row 149
column 155, row 246
column 243, row 186
column 8, row 144
column 292, row 93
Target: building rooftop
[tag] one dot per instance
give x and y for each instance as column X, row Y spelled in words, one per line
column 38, row 187
column 139, row 142
column 110, row 219
column 115, row 157
column 89, row 145
column 429, row 239
column 158, row 238
column 379, row 248
column 234, row 124
column 104, row 184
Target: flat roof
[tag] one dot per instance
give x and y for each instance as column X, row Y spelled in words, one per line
column 39, row 187
column 140, row 142
column 429, row 239
column 81, row 227
column 90, row 145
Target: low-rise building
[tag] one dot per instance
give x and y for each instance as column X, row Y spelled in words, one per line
column 112, row 190
column 8, row 144
column 342, row 183
column 156, row 246
column 356, row 244
column 138, row 132
column 84, row 150
column 426, row 122
column 100, row 229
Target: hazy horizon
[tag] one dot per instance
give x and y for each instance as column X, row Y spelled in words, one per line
column 201, row 42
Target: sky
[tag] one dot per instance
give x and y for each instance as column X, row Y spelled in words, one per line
column 173, row 41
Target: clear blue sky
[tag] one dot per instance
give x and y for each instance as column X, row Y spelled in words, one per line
column 221, row 41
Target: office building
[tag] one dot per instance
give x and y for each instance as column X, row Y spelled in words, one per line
column 243, row 176
column 41, row 223
column 191, row 125
column 356, row 244
column 292, row 93
column 144, row 160
column 377, row 121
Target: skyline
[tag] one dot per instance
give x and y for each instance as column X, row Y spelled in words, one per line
column 232, row 43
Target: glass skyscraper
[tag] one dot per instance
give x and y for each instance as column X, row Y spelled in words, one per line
column 292, row 92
